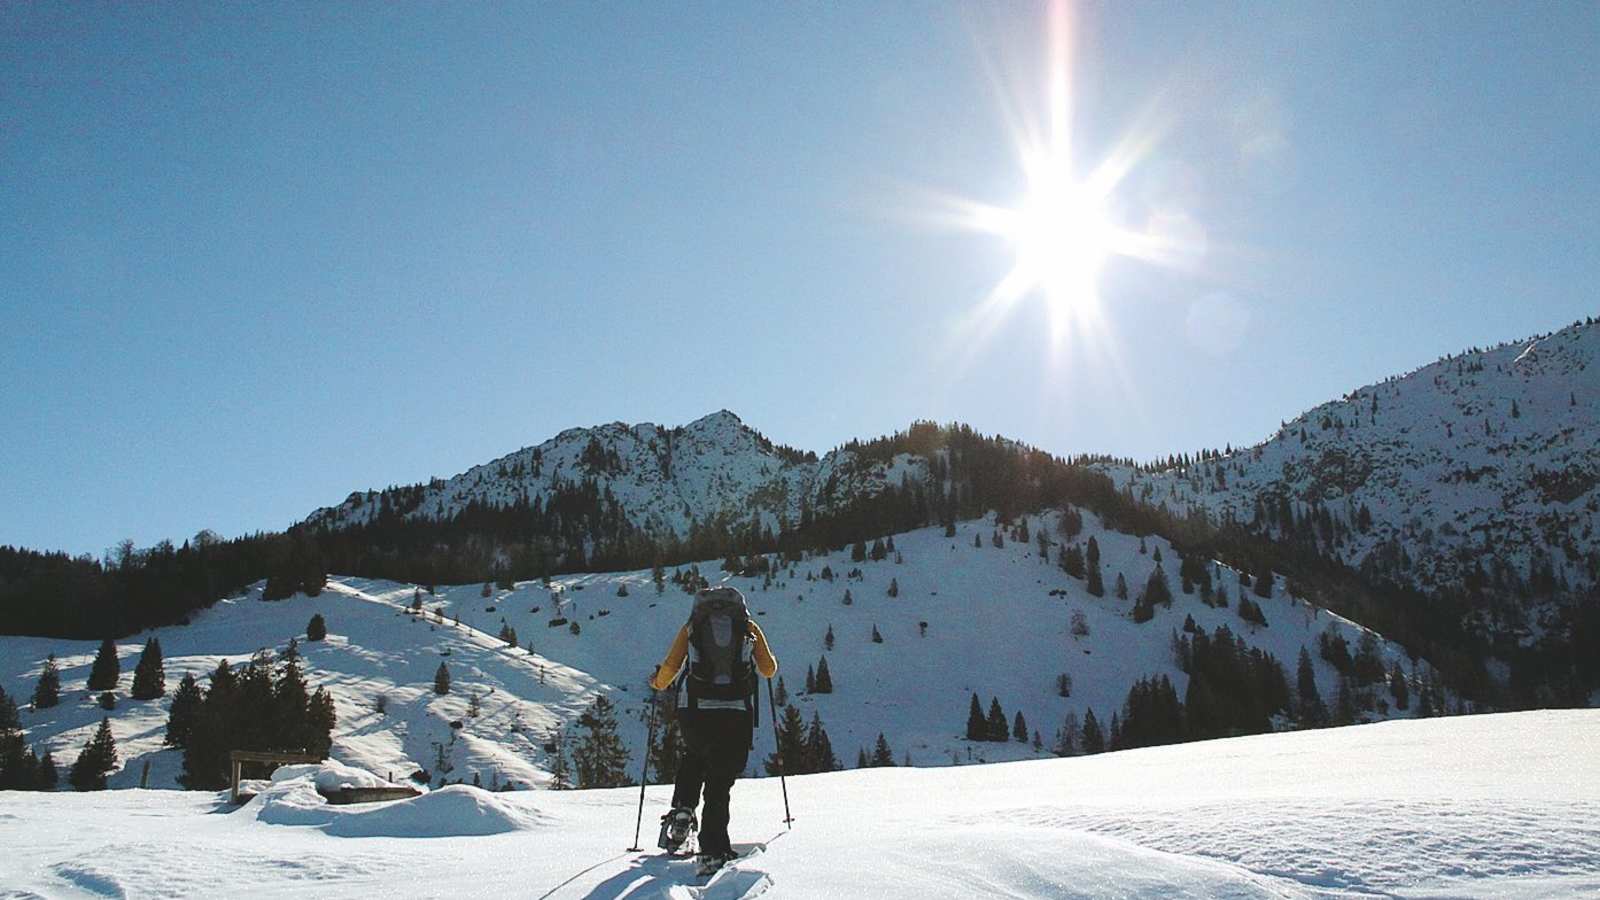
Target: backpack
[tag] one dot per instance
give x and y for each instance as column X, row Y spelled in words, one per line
column 721, row 673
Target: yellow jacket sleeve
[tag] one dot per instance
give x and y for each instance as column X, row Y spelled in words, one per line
column 668, row 670
column 766, row 663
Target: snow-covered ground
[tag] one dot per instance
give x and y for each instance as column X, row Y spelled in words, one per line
column 998, row 624
column 1482, row 806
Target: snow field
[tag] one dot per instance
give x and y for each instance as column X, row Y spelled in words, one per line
column 1509, row 811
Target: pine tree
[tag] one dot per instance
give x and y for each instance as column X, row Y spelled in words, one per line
column 1143, row 609
column 317, row 628
column 321, row 719
column 1312, row 710
column 668, row 748
column 977, row 541
column 858, row 552
column 1072, row 561
column 48, row 777
column 997, row 729
column 1122, row 587
column 600, row 758
column 1096, row 586
column 790, row 756
column 1345, row 708
column 824, row 683
column 1398, row 688
column 560, row 772
column 1080, row 623
column 1155, row 588
column 977, row 725
column 819, row 750
column 1093, row 739
column 13, row 758
column 107, row 669
column 149, row 676
column 1263, row 585
column 811, row 680
column 781, row 695
column 1019, row 728
column 827, row 639
column 894, row 587
column 288, row 700
column 185, row 710
column 1067, row 737
column 441, row 679
column 474, row 705
column 96, row 761
column 882, row 756
column 861, row 758
column 47, row 692
column 876, row 637
column 1063, row 685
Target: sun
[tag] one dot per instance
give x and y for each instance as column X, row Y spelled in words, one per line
column 1068, row 222
column 1062, row 237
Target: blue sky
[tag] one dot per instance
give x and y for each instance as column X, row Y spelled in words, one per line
column 253, row 258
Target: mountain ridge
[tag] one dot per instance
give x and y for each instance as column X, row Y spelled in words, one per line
column 718, row 471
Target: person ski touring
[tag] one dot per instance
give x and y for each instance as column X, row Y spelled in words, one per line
column 718, row 653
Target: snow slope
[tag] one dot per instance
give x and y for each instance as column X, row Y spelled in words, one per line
column 997, row 625
column 1480, row 806
column 1489, row 458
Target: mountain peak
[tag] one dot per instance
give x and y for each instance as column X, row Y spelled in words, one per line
column 722, row 418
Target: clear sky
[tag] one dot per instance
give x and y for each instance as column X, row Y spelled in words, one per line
column 254, row 257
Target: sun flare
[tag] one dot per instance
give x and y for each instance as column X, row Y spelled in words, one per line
column 1061, row 237
column 1068, row 222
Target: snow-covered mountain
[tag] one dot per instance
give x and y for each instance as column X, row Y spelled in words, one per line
column 715, row 470
column 965, row 617
column 1480, row 472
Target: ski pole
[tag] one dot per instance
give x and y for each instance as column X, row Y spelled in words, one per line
column 777, row 743
column 644, row 770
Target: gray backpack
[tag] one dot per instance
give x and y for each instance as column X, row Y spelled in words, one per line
column 721, row 673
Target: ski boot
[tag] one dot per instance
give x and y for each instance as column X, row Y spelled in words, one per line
column 676, row 828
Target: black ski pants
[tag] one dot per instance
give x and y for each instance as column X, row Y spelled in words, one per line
column 716, row 745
